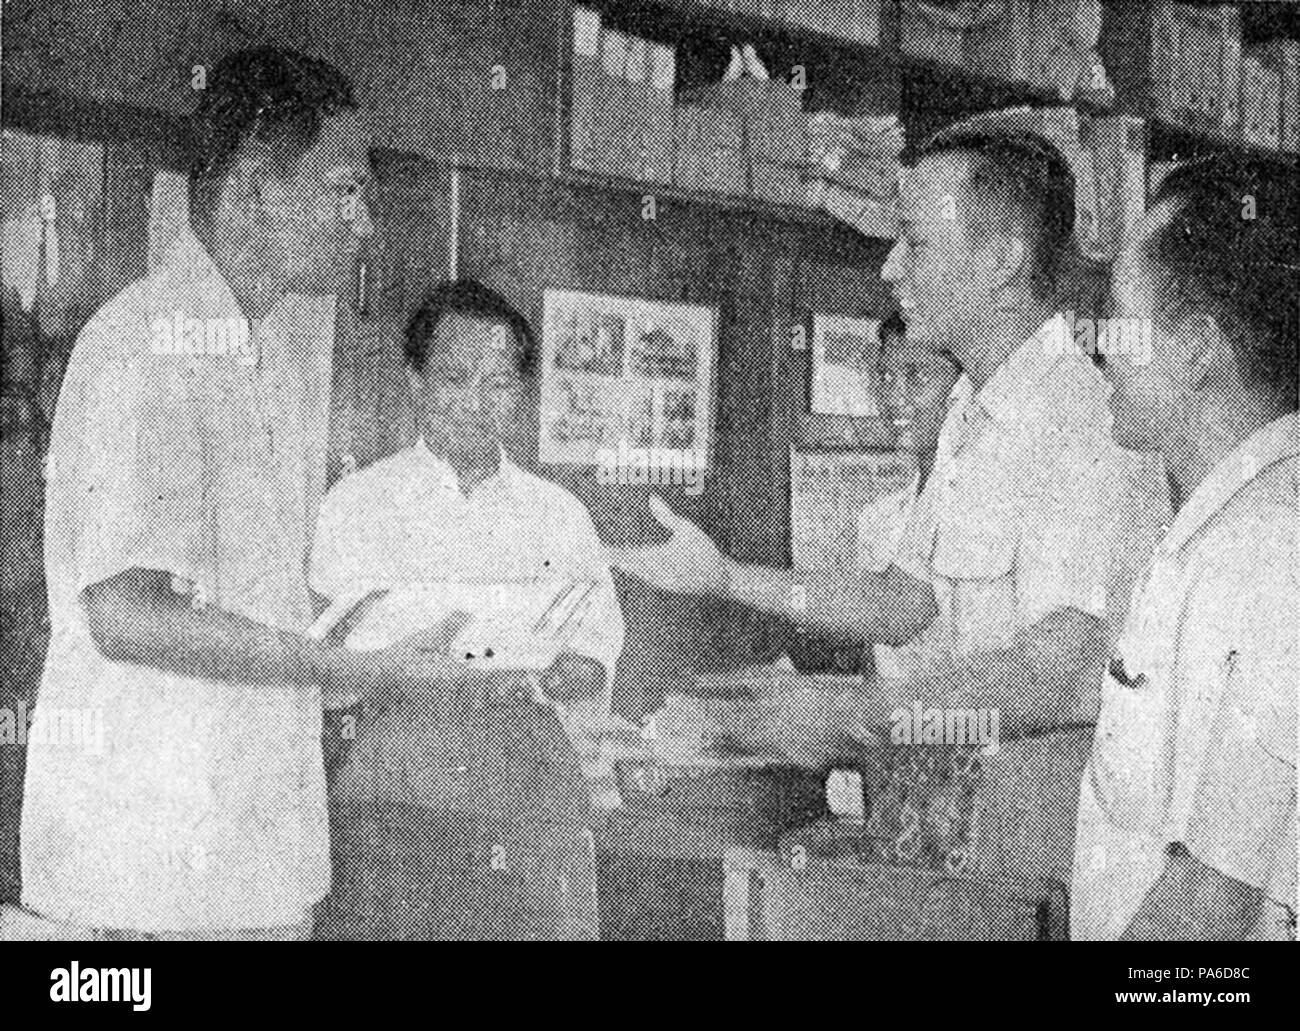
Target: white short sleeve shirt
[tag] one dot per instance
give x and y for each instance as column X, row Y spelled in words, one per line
column 1017, row 519
column 404, row 520
column 1196, row 741
column 196, row 804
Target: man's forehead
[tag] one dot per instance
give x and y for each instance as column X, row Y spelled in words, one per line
column 468, row 334
column 343, row 144
column 905, row 351
column 933, row 185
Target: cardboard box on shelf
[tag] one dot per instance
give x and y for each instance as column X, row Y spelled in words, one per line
column 922, row 36
column 1195, row 59
column 657, row 143
column 1030, row 43
column 771, row 114
column 780, row 184
column 588, row 81
column 688, row 157
column 708, row 150
column 1261, row 103
column 1010, row 48
column 1284, row 55
column 617, row 153
column 636, row 105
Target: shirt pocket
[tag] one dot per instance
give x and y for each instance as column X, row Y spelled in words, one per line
column 975, row 553
column 1132, row 751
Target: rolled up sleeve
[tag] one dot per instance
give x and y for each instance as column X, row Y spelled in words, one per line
column 600, row 635
column 1067, row 524
column 141, row 466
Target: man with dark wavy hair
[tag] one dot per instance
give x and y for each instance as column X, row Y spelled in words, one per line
column 181, row 488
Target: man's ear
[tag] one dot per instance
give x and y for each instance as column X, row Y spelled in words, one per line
column 1206, row 350
column 243, row 196
column 1008, row 255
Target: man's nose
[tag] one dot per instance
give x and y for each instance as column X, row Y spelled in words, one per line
column 891, row 272
column 362, row 224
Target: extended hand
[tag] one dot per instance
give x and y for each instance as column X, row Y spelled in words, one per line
column 809, row 726
column 435, row 640
column 688, row 563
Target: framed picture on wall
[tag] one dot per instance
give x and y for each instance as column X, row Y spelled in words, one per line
column 844, row 351
column 625, row 373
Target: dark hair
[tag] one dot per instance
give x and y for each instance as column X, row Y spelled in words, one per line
column 271, row 96
column 1019, row 175
column 473, row 300
column 1232, row 249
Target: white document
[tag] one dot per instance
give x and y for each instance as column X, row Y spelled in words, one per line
column 516, row 625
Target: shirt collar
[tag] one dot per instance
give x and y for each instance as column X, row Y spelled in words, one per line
column 203, row 291
column 507, row 473
column 1266, row 447
column 1022, row 379
column 189, row 261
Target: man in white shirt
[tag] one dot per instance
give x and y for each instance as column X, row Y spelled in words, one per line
column 181, row 487
column 915, row 387
column 1187, row 812
column 1011, row 552
column 454, row 508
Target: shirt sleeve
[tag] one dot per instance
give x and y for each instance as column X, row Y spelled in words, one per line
column 1243, row 814
column 329, row 570
column 600, row 636
column 915, row 549
column 140, row 465
column 1067, row 524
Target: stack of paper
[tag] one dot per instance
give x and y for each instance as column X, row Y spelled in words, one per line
column 517, row 625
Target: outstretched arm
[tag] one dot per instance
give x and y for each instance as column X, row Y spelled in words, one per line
column 890, row 607
column 138, row 617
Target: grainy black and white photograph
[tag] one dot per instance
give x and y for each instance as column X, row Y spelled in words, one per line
column 682, row 470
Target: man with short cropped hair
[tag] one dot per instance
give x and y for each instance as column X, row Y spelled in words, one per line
column 1187, row 812
column 1010, row 555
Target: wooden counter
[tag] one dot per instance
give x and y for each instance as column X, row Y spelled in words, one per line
column 660, row 859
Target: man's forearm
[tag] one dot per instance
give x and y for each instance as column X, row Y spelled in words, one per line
column 136, row 618
column 1034, row 685
column 889, row 607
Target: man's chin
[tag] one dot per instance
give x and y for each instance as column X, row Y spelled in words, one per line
column 1128, row 437
column 472, row 451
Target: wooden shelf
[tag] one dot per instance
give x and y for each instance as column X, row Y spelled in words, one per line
column 678, row 20
column 1169, row 141
column 725, row 202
